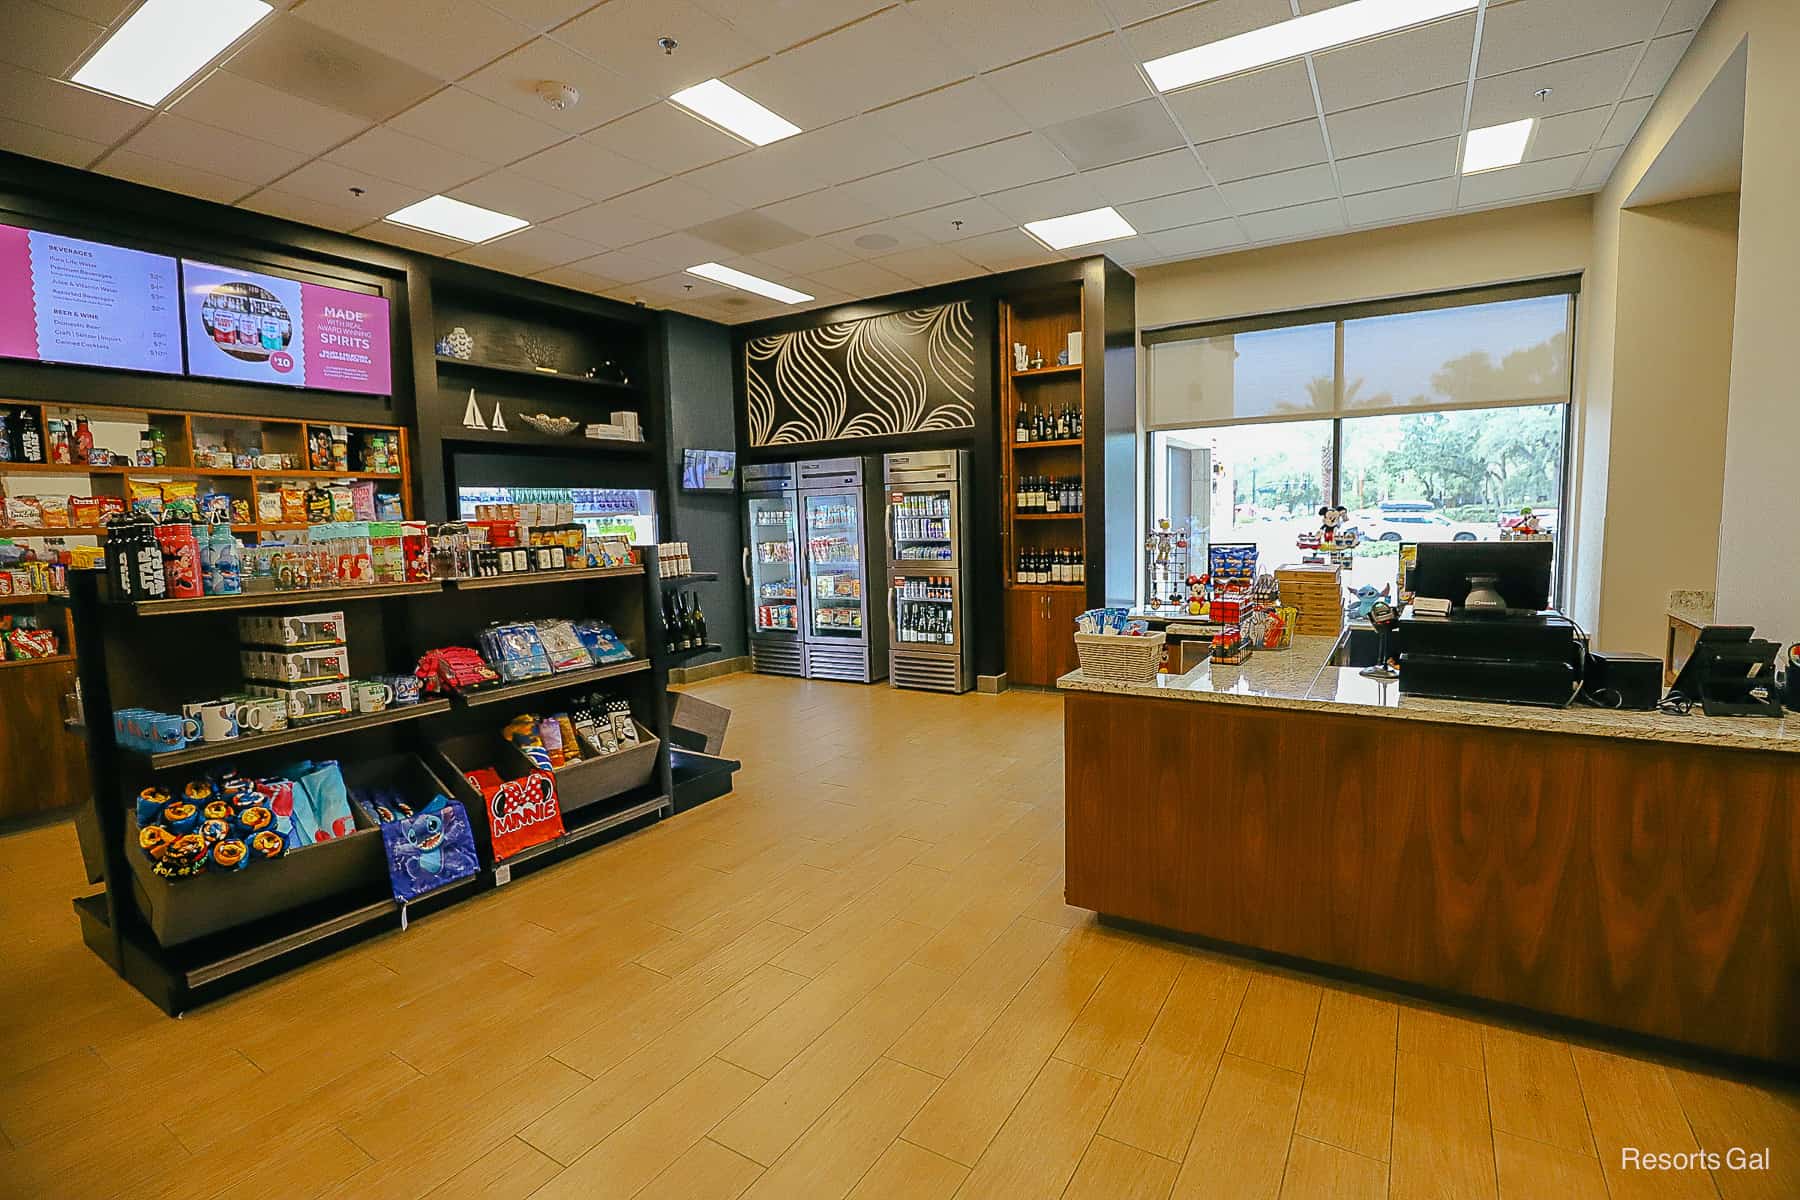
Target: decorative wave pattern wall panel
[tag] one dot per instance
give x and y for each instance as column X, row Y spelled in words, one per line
column 906, row 372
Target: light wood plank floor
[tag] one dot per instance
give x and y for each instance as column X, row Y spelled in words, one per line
column 855, row 976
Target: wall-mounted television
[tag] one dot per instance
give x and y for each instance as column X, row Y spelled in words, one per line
column 68, row 300
column 261, row 328
column 709, row 470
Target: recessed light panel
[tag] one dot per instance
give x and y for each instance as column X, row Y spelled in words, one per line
column 721, row 104
column 163, row 44
column 1081, row 229
column 1496, row 146
column 454, row 219
column 1346, row 23
column 747, row 283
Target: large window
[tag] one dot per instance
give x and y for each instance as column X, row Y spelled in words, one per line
column 1430, row 420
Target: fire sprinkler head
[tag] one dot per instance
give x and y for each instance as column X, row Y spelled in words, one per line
column 668, row 44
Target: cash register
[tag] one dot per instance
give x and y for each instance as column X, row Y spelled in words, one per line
column 1491, row 635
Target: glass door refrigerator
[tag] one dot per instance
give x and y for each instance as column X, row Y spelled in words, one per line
column 928, row 598
column 772, row 568
column 844, row 577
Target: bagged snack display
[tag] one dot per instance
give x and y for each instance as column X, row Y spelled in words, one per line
column 268, row 508
column 84, row 512
column 181, row 499
column 55, row 510
column 293, row 505
column 24, row 512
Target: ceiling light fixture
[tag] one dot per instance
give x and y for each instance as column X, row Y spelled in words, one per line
column 718, row 103
column 163, row 44
column 747, row 283
column 1354, row 22
column 454, row 219
column 1496, row 146
column 1081, row 229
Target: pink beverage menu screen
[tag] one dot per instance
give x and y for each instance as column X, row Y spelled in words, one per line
column 267, row 329
column 66, row 300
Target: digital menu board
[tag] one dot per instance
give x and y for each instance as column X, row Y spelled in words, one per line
column 66, row 300
column 267, row 329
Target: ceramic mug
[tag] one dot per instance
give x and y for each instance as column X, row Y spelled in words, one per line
column 372, row 696
column 407, row 688
column 171, row 732
column 218, row 720
column 262, row 714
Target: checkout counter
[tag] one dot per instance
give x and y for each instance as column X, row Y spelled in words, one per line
column 1628, row 870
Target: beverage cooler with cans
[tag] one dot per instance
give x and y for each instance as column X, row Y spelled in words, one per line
column 809, row 570
column 928, row 596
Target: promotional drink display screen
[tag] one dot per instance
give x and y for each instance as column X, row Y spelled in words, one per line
column 65, row 300
column 267, row 329
column 709, row 470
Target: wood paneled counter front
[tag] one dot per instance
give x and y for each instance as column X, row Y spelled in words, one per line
column 1636, row 870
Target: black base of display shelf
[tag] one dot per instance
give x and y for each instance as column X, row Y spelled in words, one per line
column 690, row 577
column 699, row 777
column 692, row 651
column 586, row 828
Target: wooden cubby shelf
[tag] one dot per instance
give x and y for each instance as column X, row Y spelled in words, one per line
column 311, row 597
column 1054, row 369
column 571, row 576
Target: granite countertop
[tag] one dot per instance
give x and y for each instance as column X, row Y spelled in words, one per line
column 1301, row 679
column 1692, row 608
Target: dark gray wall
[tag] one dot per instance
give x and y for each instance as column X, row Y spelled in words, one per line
column 702, row 417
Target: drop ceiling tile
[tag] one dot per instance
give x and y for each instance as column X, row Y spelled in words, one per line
column 517, row 195
column 102, row 12
column 1010, row 162
column 1391, row 123
column 627, row 266
column 863, row 279
column 1173, row 212
column 303, row 59
column 323, row 182
column 528, row 251
column 1265, row 151
column 578, row 279
column 1400, row 64
column 1685, row 14
column 64, row 108
column 1402, row 203
column 1599, row 168
column 1144, row 178
column 679, row 251
column 674, row 202
column 385, row 153
column 48, row 144
column 476, row 126
column 823, row 211
column 1576, row 83
column 158, row 172
column 223, row 152
column 1091, row 77
column 411, row 239
column 802, row 258
column 231, row 101
column 1133, row 252
column 46, row 40
column 1199, row 24
column 841, row 152
column 775, row 27
column 963, row 219
column 926, row 265
column 1625, row 121
column 753, row 179
column 747, row 233
column 621, row 35
column 1526, row 179
column 1529, row 32
column 1567, row 133
column 678, row 287
column 1130, row 131
column 1050, row 198
column 1303, row 220
column 448, row 38
column 1659, row 63
column 607, row 225
column 878, row 239
column 1202, row 238
column 998, row 32
column 513, row 81
column 1132, row 12
column 580, row 166
column 887, row 57
column 540, row 15
column 664, row 137
column 1396, row 168
column 293, row 207
column 1005, row 250
column 1275, row 95
column 905, row 189
column 782, row 85
column 1283, row 189
column 953, row 118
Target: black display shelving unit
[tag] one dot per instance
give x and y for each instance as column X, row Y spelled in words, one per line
column 161, row 654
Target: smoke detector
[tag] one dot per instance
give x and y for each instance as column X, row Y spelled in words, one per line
column 558, row 95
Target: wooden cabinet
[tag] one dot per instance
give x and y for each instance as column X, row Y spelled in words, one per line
column 1061, row 608
column 32, row 732
column 1040, row 633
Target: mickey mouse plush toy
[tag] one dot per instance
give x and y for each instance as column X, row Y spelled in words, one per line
column 1329, row 520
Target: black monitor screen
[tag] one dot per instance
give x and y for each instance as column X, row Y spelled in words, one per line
column 1522, row 571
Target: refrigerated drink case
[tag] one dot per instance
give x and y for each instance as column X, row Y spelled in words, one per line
column 772, row 568
column 843, row 580
column 928, row 599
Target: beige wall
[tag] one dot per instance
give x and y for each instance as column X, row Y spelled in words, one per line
column 1677, row 273
column 1758, row 573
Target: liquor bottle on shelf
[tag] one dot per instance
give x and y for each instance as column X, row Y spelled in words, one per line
column 1053, row 496
column 1022, row 431
column 699, row 619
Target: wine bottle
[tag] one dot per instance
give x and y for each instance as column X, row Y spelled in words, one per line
column 699, row 622
column 1022, row 431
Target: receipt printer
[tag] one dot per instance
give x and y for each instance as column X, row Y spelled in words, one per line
column 1621, row 679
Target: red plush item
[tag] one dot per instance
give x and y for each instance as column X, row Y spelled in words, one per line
column 456, row 668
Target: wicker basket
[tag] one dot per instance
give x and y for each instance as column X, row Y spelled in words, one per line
column 1120, row 658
